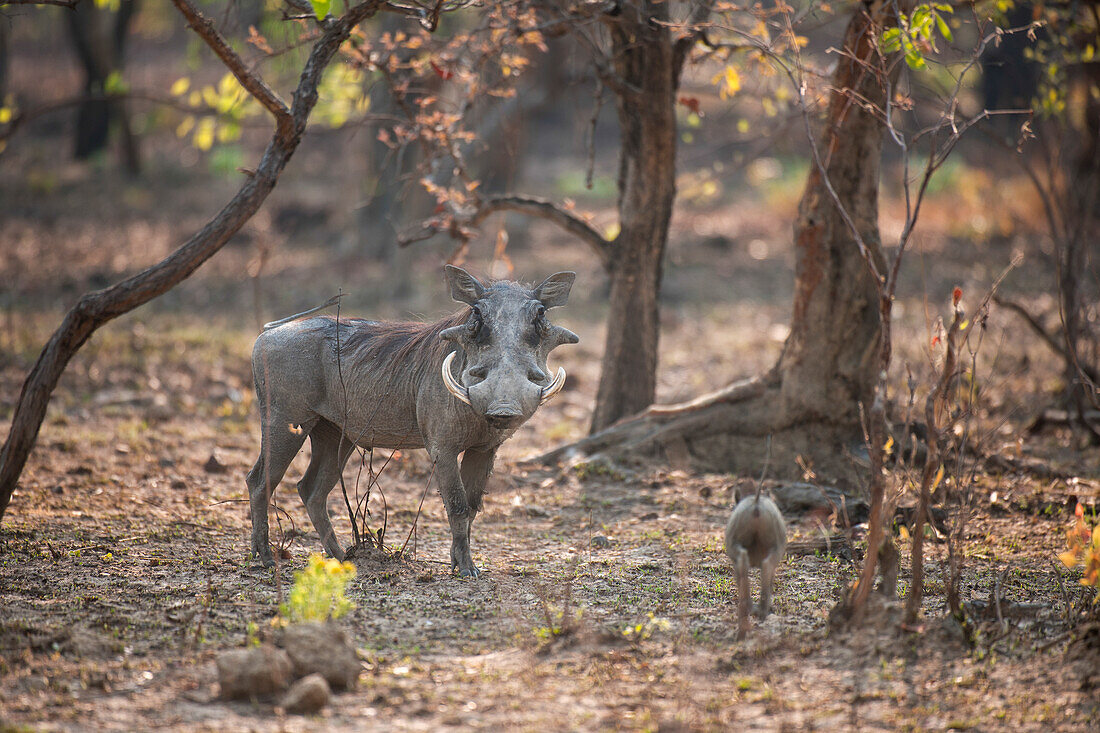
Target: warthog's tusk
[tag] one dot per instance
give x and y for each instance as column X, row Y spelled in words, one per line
column 553, row 388
column 456, row 389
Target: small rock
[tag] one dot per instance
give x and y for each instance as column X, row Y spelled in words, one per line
column 213, row 465
column 36, row 683
column 600, row 541
column 535, row 512
column 307, row 695
column 255, row 672
column 322, row 649
column 648, row 517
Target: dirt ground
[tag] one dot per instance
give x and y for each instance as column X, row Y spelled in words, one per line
column 123, row 555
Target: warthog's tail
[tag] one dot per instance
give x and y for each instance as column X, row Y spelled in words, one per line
column 327, row 304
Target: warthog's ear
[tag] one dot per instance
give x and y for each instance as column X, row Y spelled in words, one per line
column 454, row 333
column 554, row 290
column 559, row 336
column 464, row 287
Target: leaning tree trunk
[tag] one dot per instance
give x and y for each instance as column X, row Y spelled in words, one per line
column 644, row 55
column 809, row 402
column 97, row 308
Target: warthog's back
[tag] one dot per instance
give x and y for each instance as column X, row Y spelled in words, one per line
column 366, row 377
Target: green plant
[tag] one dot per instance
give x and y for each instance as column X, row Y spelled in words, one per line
column 318, row 592
column 646, row 629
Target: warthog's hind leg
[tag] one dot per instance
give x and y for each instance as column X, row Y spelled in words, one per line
column 330, row 453
column 767, row 580
column 278, row 446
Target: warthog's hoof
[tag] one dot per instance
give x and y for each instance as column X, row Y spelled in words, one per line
column 260, row 560
column 470, row 571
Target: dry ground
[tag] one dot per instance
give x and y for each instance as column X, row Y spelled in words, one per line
column 123, row 568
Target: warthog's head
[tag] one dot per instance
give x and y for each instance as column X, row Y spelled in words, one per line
column 505, row 341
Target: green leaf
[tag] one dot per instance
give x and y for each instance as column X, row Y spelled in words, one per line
column 114, row 84
column 321, row 7
column 891, row 40
column 944, row 30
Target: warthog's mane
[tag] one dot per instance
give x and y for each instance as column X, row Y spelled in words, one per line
column 414, row 344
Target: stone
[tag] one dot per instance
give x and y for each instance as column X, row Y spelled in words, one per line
column 254, row 672
column 317, row 648
column 307, row 695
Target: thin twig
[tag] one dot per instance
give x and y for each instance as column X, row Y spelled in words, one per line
column 252, row 83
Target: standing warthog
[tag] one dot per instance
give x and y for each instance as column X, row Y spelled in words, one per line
column 460, row 385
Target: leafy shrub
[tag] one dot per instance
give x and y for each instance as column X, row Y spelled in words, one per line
column 318, row 592
column 1084, row 548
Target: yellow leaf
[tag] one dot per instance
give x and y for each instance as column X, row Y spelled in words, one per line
column 733, row 80
column 936, row 481
column 903, row 532
column 204, row 135
column 185, row 126
column 889, row 445
column 729, row 82
column 180, row 86
column 1069, row 559
column 5, row 115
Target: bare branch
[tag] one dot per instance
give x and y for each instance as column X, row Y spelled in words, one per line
column 69, row 4
column 693, row 31
column 548, row 210
column 252, row 83
column 1056, row 345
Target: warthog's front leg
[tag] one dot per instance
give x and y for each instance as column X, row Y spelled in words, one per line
column 476, row 467
column 459, row 513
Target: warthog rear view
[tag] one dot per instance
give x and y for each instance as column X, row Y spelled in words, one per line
column 461, row 385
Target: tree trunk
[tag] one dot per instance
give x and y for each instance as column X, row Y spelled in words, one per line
column 810, row 401
column 828, row 365
column 1076, row 256
column 99, row 37
column 645, row 64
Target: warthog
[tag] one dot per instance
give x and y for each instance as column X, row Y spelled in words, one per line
column 461, row 385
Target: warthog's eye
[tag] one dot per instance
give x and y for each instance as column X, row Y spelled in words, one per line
column 539, row 327
column 474, row 325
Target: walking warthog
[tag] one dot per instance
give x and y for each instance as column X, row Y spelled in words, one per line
column 460, row 385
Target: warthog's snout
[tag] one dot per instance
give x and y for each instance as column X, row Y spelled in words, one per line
column 504, row 414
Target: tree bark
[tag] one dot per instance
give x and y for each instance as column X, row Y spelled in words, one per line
column 810, row 400
column 643, row 53
column 828, row 364
column 95, row 309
